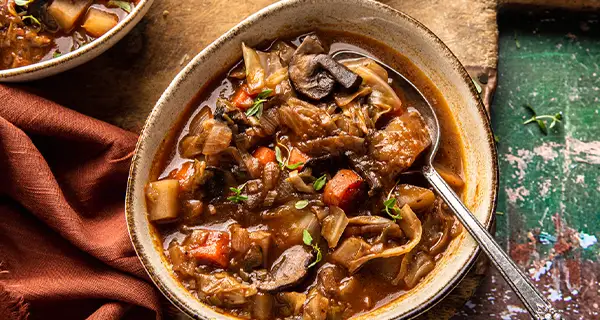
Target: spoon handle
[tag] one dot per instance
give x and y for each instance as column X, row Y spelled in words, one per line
column 536, row 304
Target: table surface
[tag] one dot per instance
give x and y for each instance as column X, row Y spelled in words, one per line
column 549, row 205
column 549, row 216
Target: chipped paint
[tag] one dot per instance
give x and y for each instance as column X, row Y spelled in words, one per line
column 549, row 183
column 516, row 194
column 554, row 295
column 520, row 162
column 586, row 240
column 546, row 238
column 546, row 151
column 545, row 187
column 586, row 152
column 536, row 274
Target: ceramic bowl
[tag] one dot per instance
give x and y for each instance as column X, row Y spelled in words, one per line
column 75, row 58
column 363, row 17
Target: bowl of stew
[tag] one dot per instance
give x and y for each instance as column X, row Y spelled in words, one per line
column 272, row 181
column 42, row 38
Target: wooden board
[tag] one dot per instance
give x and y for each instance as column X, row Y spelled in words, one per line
column 549, row 187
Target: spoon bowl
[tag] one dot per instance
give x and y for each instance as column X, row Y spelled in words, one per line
column 534, row 301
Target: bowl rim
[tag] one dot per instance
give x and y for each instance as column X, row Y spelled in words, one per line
column 213, row 46
column 131, row 18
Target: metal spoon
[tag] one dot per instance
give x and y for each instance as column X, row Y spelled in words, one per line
column 536, row 304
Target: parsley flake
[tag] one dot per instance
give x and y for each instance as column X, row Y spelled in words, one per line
column 301, row 204
column 294, row 166
column 257, row 107
column 319, row 183
column 284, row 163
column 308, row 240
column 390, row 206
column 237, row 197
column 556, row 118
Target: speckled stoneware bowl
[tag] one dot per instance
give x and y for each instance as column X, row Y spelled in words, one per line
column 73, row 59
column 364, row 17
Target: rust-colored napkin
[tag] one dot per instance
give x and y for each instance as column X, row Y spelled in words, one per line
column 64, row 248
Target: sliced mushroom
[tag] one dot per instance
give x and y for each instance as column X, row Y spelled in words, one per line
column 288, row 269
column 314, row 73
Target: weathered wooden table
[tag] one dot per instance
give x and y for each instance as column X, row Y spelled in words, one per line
column 549, row 206
column 549, row 216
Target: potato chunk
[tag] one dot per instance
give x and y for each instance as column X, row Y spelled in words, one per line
column 67, row 12
column 97, row 22
column 162, row 196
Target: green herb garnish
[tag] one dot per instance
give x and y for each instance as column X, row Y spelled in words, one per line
column 391, row 208
column 496, row 138
column 278, row 156
column 237, row 197
column 257, row 106
column 319, row 183
column 126, row 6
column 23, row 3
column 33, row 20
column 56, row 54
column 308, row 240
column 294, row 166
column 284, row 163
column 301, row 204
column 556, row 118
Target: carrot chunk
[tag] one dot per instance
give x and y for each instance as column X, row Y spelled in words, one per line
column 188, row 175
column 242, row 99
column 342, row 189
column 297, row 156
column 264, row 155
column 209, row 246
column 183, row 174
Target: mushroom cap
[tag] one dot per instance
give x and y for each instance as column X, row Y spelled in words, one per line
column 289, row 269
column 314, row 73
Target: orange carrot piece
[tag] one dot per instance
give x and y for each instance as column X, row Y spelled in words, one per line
column 342, row 189
column 297, row 156
column 242, row 99
column 183, row 174
column 264, row 155
column 209, row 246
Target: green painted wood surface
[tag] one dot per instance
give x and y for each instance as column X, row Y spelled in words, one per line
column 549, row 204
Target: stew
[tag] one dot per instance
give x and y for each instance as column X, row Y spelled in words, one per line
column 284, row 192
column 36, row 30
